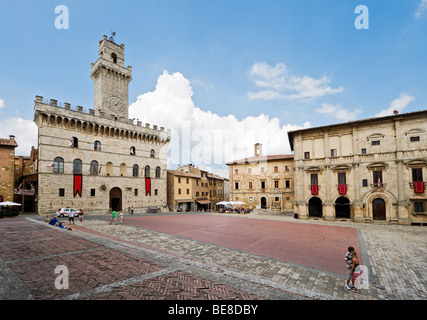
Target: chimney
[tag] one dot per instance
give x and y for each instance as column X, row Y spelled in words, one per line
column 12, row 138
column 258, row 150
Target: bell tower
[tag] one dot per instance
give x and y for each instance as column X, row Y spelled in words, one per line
column 111, row 80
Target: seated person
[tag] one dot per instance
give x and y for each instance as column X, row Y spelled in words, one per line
column 53, row 221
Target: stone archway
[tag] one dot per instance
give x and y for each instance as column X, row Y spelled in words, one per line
column 315, row 208
column 342, row 208
column 116, row 199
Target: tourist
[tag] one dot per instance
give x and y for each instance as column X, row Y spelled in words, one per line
column 349, row 262
column 113, row 217
column 355, row 274
column 71, row 217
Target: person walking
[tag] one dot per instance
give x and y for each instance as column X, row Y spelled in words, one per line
column 113, row 217
column 81, row 214
column 71, row 217
column 349, row 261
column 122, row 219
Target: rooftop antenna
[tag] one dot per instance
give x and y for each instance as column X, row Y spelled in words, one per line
column 113, row 34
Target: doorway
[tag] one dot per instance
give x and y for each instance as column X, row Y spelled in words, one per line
column 315, row 207
column 116, row 199
column 263, row 203
column 342, row 208
column 378, row 209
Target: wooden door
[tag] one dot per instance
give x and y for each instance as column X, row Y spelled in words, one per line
column 378, row 209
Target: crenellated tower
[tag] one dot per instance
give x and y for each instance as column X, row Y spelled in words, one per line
column 111, row 80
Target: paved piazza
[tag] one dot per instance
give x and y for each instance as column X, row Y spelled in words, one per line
column 208, row 257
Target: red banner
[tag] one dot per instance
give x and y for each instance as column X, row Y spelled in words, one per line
column 78, row 184
column 148, row 186
column 419, row 187
column 342, row 188
column 314, row 190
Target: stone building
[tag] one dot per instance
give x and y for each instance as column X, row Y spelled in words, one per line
column 7, row 168
column 26, row 181
column 366, row 170
column 182, row 187
column 263, row 182
column 99, row 160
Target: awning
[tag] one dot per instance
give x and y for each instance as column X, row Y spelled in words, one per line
column 203, row 201
column 185, row 200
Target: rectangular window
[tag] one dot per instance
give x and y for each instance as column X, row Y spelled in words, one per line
column 333, row 152
column 363, row 150
column 288, row 183
column 61, row 192
column 341, row 178
column 197, row 182
column 197, row 193
column 375, row 143
column 419, row 206
column 236, row 171
column 236, row 186
column 378, row 177
column 250, row 185
column 188, row 181
column 276, row 199
column 286, row 168
column 314, row 181
column 365, row 182
column 417, row 174
column 306, row 155
column 92, row 192
column 188, row 191
column 249, row 170
column 179, row 180
column 262, row 184
column 179, row 191
column 414, row 139
column 276, row 184
column 156, row 192
column 136, row 192
column 276, row 169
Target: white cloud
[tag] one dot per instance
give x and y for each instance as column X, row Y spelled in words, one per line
column 422, row 7
column 1, row 103
column 277, row 84
column 398, row 104
column 202, row 137
column 25, row 132
column 338, row 112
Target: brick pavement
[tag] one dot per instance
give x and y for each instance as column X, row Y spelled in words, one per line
column 126, row 262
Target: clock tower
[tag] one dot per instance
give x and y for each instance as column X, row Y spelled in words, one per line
column 111, row 80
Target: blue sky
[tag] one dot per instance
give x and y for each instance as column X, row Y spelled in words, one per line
column 296, row 62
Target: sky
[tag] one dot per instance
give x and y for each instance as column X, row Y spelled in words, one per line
column 222, row 75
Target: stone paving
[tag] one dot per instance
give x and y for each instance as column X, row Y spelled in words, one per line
column 126, row 262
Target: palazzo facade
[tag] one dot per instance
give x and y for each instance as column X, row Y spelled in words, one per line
column 99, row 160
column 364, row 171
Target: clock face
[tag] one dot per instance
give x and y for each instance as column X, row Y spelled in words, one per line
column 115, row 104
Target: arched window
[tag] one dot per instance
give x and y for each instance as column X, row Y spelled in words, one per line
column 147, row 171
column 135, row 170
column 114, row 57
column 58, row 165
column 152, row 153
column 97, row 146
column 123, row 169
column 158, row 172
column 74, row 142
column 77, row 166
column 132, row 151
column 94, row 168
column 109, row 168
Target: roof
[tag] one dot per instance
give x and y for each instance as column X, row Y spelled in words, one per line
column 262, row 159
column 8, row 143
column 183, row 174
column 291, row 134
